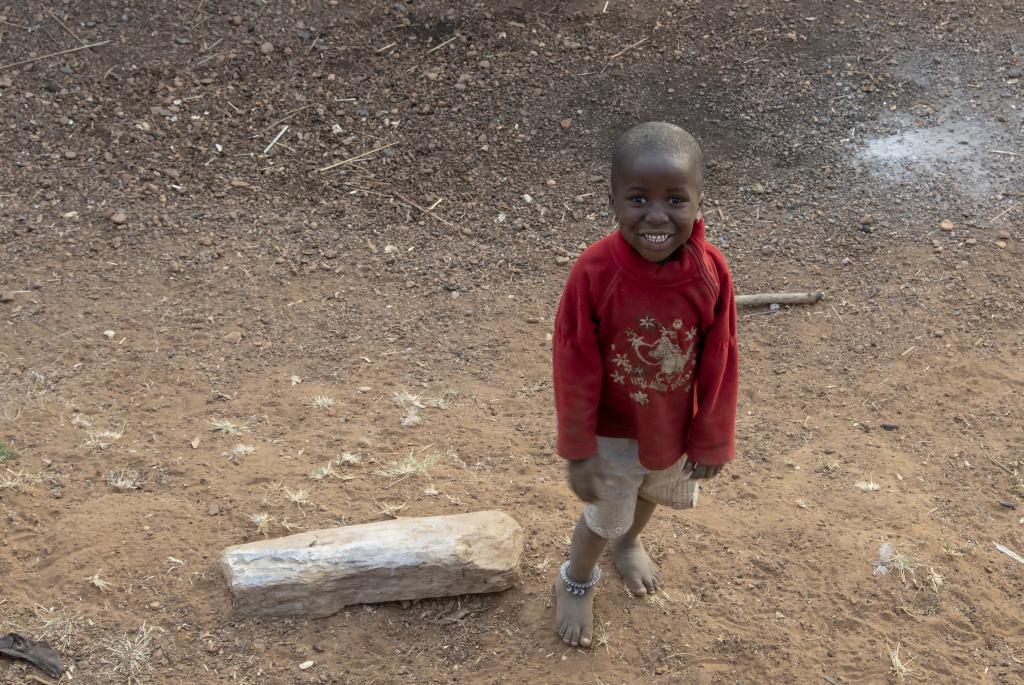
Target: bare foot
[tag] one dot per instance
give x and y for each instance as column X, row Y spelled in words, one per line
column 636, row 568
column 574, row 616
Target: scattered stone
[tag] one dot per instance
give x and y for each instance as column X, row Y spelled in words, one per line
column 317, row 573
column 566, row 123
column 466, row 230
column 213, row 510
column 267, row 47
column 527, row 198
column 767, row 250
column 305, row 665
column 108, row 334
column 205, row 241
column 1001, row 244
column 233, row 338
column 532, row 319
column 947, row 225
column 7, row 296
column 390, row 249
column 562, row 260
column 119, row 217
column 971, row 241
column 236, row 20
column 889, row 426
column 6, row 82
column 70, row 154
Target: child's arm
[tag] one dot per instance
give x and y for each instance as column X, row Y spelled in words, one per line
column 711, row 441
column 578, row 372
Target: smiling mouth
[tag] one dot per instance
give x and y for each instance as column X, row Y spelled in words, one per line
column 656, row 239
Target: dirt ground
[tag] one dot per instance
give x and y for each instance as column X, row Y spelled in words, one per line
column 275, row 217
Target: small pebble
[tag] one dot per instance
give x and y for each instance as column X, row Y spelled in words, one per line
column 566, row 123
column 305, row 665
column 561, row 260
column 119, row 217
column 767, row 250
column 947, row 225
column 1001, row 244
column 267, row 47
column 236, row 20
column 233, row 338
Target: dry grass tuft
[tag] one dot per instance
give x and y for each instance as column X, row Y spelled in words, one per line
column 409, row 466
column 262, row 522
column 99, row 583
column 60, row 627
column 15, row 480
column 349, row 459
column 299, row 498
column 124, row 479
column 225, row 427
column 239, row 450
column 934, row 580
column 829, row 467
column 903, row 564
column 322, row 472
column 900, row 669
column 103, row 439
column 128, row 655
column 322, row 402
column 867, row 486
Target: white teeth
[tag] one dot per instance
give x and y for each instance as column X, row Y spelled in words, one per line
column 656, row 238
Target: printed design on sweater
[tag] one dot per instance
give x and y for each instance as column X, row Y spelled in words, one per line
column 658, row 358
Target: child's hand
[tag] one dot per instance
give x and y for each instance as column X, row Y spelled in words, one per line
column 700, row 471
column 584, row 476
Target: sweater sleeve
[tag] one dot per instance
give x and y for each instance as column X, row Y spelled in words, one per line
column 578, row 369
column 711, row 438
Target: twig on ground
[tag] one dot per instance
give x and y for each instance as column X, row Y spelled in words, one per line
column 441, row 45
column 1002, row 466
column 429, row 211
column 54, row 54
column 357, row 157
column 72, row 33
column 276, row 138
column 628, row 48
column 1000, row 215
column 1010, row 553
column 761, row 299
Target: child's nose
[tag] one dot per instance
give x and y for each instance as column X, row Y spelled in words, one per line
column 656, row 214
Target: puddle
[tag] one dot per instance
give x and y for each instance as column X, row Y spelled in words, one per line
column 961, row 151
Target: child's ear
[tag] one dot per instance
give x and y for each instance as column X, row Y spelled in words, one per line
column 611, row 201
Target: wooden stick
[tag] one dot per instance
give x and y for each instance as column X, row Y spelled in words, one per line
column 440, row 45
column 63, row 25
column 1002, row 466
column 274, row 141
column 761, row 299
column 628, row 48
column 352, row 159
column 54, row 54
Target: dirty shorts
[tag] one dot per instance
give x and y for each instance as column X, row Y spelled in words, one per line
column 624, row 479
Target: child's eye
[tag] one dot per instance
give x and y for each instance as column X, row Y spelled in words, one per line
column 678, row 200
column 638, row 199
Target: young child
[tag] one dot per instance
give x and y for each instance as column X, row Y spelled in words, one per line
column 645, row 366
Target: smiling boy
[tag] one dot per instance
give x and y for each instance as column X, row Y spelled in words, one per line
column 645, row 366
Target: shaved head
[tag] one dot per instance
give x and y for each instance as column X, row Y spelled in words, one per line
column 658, row 138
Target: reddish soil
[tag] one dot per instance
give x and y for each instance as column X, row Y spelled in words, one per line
column 839, row 136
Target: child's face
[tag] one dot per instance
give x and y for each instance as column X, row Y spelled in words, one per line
column 656, row 199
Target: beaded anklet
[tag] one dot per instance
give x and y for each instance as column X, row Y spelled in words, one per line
column 578, row 589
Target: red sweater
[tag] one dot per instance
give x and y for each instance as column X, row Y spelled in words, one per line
column 648, row 351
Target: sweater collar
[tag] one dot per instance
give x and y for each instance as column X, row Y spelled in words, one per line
column 681, row 268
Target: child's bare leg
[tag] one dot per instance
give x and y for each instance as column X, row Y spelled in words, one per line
column 631, row 559
column 574, row 614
